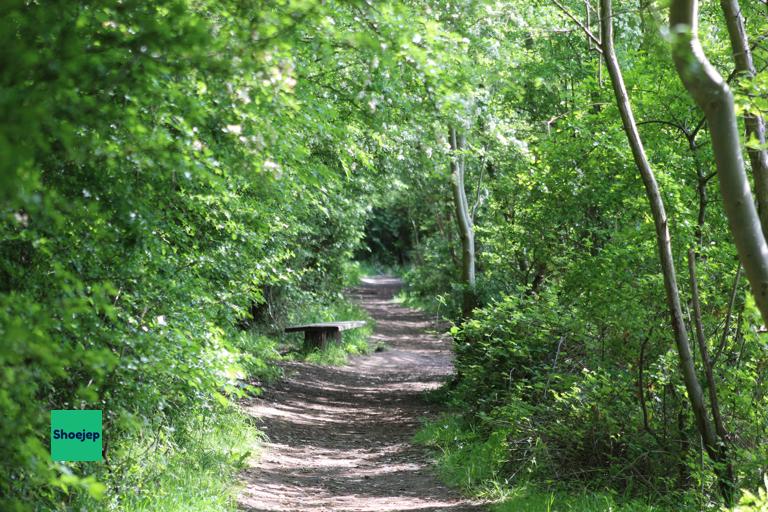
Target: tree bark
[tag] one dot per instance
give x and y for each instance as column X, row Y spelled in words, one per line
column 663, row 241
column 714, row 97
column 754, row 124
column 464, row 221
column 726, row 476
column 704, row 350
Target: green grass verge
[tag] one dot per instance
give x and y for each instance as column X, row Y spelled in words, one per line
column 532, row 500
column 477, row 465
column 203, row 474
column 354, row 343
column 189, row 468
column 433, row 306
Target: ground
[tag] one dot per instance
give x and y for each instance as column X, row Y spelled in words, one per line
column 340, row 438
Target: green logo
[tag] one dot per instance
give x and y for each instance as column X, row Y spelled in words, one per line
column 76, row 435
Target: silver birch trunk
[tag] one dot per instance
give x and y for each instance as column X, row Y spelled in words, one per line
column 754, row 124
column 714, row 97
column 464, row 221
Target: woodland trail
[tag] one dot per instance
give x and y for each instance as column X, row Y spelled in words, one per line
column 340, row 437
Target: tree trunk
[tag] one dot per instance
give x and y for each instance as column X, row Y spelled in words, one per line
column 663, row 241
column 464, row 220
column 714, row 97
column 725, row 473
column 704, row 351
column 754, row 124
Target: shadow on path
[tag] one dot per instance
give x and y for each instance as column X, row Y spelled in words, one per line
column 340, row 438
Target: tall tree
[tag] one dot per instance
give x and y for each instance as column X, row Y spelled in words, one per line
column 714, row 97
column 754, row 123
column 663, row 241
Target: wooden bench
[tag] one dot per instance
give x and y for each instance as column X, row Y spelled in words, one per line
column 318, row 335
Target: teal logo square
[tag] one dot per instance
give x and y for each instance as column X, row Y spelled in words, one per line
column 76, row 435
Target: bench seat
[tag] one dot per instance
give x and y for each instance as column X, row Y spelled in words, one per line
column 318, row 335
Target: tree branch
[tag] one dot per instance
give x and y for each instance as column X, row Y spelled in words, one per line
column 580, row 24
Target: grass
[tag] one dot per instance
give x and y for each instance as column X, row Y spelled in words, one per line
column 476, row 465
column 191, row 470
column 434, row 306
column 259, row 355
column 354, row 343
column 441, row 306
column 530, row 499
column 199, row 475
column 463, row 459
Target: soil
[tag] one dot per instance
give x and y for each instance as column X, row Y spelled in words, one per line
column 340, row 438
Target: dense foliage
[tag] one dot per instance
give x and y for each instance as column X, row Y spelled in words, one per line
column 567, row 372
column 164, row 185
column 181, row 178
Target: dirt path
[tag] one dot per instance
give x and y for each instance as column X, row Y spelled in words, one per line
column 340, row 438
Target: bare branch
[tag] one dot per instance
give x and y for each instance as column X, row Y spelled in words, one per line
column 580, row 24
column 682, row 128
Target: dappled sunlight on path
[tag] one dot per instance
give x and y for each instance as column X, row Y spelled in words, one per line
column 340, row 438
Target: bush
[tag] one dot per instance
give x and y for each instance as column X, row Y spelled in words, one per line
column 147, row 213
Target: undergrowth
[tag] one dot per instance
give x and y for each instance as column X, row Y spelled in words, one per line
column 529, row 499
column 193, row 465
column 477, row 465
column 200, row 474
column 190, row 468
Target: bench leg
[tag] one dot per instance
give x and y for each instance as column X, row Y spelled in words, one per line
column 319, row 339
column 313, row 340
